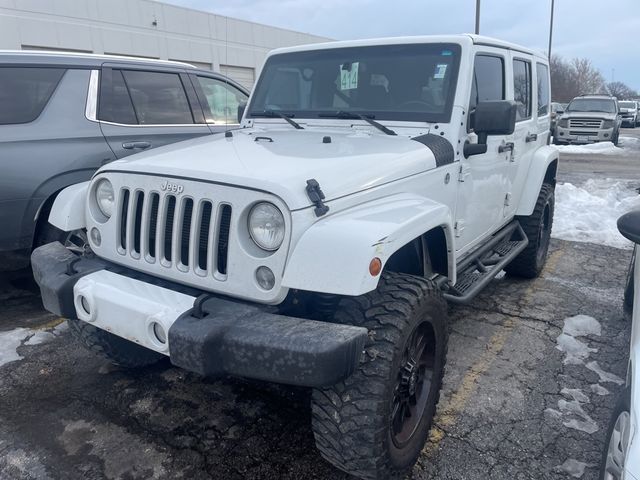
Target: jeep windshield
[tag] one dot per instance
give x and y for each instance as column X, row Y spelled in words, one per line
column 592, row 105
column 627, row 105
column 407, row 82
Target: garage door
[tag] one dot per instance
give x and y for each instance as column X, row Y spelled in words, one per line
column 245, row 76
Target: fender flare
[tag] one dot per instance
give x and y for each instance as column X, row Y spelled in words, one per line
column 68, row 210
column 52, row 187
column 540, row 162
column 334, row 254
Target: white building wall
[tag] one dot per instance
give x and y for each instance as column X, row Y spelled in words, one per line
column 126, row 27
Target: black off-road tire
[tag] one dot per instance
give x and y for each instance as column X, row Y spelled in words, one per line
column 629, row 285
column 537, row 227
column 112, row 347
column 352, row 420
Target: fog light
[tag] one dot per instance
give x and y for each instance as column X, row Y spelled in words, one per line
column 159, row 332
column 96, row 238
column 562, row 134
column 85, row 304
column 606, row 135
column 265, row 278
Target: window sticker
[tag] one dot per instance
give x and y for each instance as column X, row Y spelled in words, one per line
column 441, row 70
column 349, row 76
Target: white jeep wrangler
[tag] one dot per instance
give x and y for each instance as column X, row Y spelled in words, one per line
column 372, row 182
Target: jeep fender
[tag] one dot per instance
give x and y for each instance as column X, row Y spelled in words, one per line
column 540, row 162
column 334, row 254
column 68, row 210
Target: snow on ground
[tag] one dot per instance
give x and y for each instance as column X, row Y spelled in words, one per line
column 573, row 467
column 602, row 148
column 626, row 146
column 589, row 213
column 12, row 339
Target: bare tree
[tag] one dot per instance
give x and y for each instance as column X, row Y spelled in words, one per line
column 570, row 79
column 587, row 78
column 621, row 91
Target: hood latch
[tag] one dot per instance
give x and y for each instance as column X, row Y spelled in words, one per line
column 315, row 194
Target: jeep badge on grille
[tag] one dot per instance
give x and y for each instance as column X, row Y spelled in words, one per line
column 171, row 187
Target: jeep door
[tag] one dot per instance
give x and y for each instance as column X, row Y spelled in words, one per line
column 142, row 108
column 532, row 121
column 222, row 101
column 479, row 210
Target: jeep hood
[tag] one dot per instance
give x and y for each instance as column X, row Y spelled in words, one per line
column 281, row 161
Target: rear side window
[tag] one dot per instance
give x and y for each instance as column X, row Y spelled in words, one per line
column 222, row 99
column 522, row 89
column 158, row 98
column 25, row 91
column 544, row 98
column 488, row 81
column 115, row 102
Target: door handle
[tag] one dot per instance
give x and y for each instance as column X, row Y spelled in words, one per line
column 135, row 145
column 532, row 137
column 506, row 147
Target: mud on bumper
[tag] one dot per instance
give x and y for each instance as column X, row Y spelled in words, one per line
column 212, row 336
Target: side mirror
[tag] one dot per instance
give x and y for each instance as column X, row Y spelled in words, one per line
column 241, row 109
column 491, row 118
column 629, row 226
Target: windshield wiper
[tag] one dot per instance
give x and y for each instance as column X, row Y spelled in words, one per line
column 275, row 113
column 368, row 118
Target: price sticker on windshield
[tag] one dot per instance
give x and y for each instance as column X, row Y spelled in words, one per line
column 441, row 70
column 349, row 76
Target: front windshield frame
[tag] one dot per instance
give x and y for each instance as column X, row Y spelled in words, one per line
column 258, row 106
column 598, row 105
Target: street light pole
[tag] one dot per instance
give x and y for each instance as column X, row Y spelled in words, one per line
column 551, row 27
column 477, row 17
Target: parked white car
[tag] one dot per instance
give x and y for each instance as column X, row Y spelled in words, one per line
column 621, row 459
column 371, row 182
column 630, row 113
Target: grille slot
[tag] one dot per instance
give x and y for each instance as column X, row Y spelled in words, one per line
column 224, row 226
column 137, row 222
column 168, row 227
column 185, row 231
column 153, row 226
column 122, row 225
column 203, row 235
column 180, row 233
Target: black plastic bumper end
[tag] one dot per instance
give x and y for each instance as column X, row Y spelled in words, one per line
column 243, row 340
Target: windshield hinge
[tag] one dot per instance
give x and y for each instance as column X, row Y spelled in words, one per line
column 315, row 194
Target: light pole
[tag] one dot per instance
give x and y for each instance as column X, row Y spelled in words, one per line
column 551, row 27
column 477, row 17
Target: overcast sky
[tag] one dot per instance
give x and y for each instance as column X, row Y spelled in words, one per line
column 605, row 31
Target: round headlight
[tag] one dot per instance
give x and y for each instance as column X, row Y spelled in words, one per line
column 266, row 226
column 105, row 197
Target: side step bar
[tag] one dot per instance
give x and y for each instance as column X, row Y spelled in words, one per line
column 479, row 268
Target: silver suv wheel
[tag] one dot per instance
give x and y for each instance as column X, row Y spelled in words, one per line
column 616, row 451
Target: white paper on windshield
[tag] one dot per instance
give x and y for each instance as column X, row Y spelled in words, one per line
column 441, row 70
column 349, row 76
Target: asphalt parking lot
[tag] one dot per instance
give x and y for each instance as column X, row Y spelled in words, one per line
column 514, row 405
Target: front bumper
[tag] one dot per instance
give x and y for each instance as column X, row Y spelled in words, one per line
column 204, row 333
column 582, row 136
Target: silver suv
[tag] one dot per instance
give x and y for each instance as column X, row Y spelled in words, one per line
column 63, row 116
column 589, row 119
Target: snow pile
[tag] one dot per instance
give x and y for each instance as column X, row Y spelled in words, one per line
column 589, row 213
column 12, row 339
column 629, row 143
column 573, row 467
column 602, row 148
